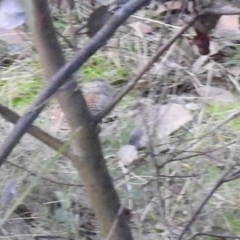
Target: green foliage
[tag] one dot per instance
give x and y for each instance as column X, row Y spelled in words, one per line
column 232, row 220
column 100, row 67
column 219, row 111
column 23, row 92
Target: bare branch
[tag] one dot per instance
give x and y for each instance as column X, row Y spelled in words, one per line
column 144, row 69
column 160, row 51
column 227, row 10
column 37, row 132
column 221, row 236
column 86, row 145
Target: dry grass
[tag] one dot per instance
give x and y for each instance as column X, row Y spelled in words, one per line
column 162, row 199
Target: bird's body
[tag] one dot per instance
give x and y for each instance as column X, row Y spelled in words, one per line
column 98, row 94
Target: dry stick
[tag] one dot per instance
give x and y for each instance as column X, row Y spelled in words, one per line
column 233, row 176
column 69, row 43
column 37, row 132
column 144, row 69
column 226, row 120
column 63, row 74
column 47, row 139
column 115, row 222
column 222, row 11
column 187, row 157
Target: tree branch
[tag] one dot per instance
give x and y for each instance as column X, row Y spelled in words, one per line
column 86, row 144
column 143, row 70
column 37, row 132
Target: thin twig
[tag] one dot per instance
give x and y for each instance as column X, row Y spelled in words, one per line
column 37, row 132
column 115, row 222
column 37, row 237
column 221, row 236
column 144, row 69
column 219, row 182
column 71, row 45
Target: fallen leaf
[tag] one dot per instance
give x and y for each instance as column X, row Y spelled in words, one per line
column 215, row 94
column 141, row 28
column 176, row 188
column 198, row 65
column 170, row 5
column 229, row 22
column 214, row 48
column 158, row 121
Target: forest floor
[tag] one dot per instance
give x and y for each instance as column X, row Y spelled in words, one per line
column 178, row 167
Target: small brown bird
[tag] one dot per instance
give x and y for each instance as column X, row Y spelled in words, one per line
column 98, row 94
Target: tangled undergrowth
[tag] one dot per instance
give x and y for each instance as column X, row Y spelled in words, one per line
column 175, row 173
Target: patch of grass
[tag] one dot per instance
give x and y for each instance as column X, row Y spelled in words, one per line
column 218, row 108
column 98, row 67
column 232, row 220
column 219, row 111
column 213, row 172
column 23, row 92
column 126, row 100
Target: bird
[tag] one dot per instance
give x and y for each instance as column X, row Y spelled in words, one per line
column 98, row 94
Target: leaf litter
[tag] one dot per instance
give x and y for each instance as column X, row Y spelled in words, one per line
column 163, row 120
